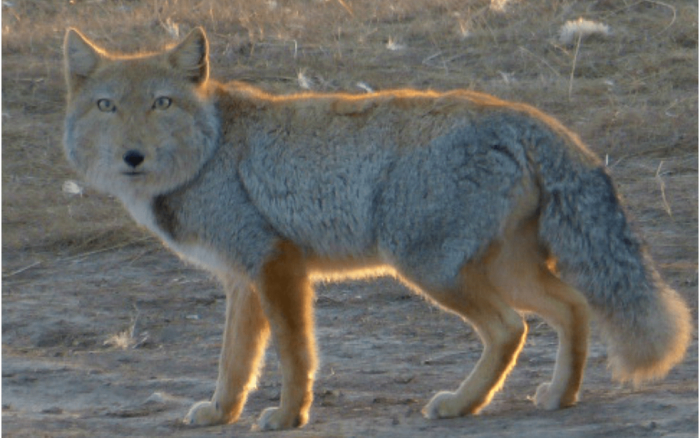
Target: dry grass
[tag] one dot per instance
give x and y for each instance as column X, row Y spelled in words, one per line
column 632, row 94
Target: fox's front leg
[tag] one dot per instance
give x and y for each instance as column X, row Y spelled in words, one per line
column 287, row 299
column 245, row 337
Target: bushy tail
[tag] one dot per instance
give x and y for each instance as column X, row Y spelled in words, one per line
column 646, row 324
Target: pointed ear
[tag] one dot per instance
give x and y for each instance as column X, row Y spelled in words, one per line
column 80, row 58
column 191, row 56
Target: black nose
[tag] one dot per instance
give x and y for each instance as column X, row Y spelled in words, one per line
column 133, row 158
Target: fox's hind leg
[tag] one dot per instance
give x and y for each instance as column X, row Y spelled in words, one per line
column 565, row 309
column 520, row 271
column 245, row 337
column 502, row 331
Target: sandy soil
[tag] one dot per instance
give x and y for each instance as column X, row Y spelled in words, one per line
column 384, row 353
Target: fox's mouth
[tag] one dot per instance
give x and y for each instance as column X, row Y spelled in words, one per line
column 133, row 173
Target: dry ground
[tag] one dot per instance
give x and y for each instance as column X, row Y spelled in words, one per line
column 107, row 334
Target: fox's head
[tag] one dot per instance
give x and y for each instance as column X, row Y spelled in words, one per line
column 139, row 125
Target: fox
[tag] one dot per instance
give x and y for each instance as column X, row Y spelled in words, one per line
column 489, row 209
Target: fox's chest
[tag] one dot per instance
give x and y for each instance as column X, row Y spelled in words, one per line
column 196, row 252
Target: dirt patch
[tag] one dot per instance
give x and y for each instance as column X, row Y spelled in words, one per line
column 384, row 353
column 107, row 334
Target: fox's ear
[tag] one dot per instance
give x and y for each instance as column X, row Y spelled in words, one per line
column 80, row 58
column 191, row 56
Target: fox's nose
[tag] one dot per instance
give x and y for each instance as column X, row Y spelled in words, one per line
column 133, row 158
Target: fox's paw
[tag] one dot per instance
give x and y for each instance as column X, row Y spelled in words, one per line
column 546, row 399
column 206, row 413
column 276, row 419
column 443, row 405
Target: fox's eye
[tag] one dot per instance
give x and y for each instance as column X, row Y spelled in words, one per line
column 162, row 103
column 106, row 106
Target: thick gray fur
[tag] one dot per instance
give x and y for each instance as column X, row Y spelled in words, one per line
column 427, row 209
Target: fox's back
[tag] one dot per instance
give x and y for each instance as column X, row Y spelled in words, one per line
column 347, row 175
column 316, row 165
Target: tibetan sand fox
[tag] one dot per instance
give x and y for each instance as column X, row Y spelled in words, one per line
column 486, row 207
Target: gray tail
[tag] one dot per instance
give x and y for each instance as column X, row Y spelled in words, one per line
column 646, row 324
